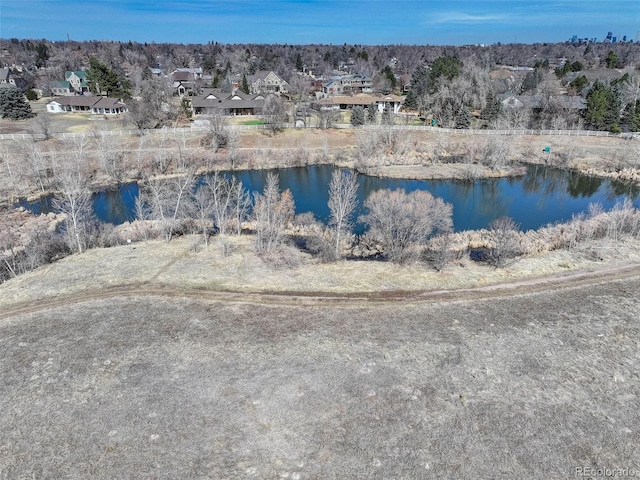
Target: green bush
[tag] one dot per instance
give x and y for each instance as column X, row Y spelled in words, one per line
column 31, row 95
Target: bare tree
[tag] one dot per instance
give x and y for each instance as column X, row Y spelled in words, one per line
column 504, row 236
column 110, row 156
column 74, row 201
column 218, row 134
column 140, row 114
column 151, row 104
column 201, row 208
column 326, row 117
column 272, row 212
column 35, row 165
column 401, row 223
column 512, row 119
column 220, row 191
column 343, row 200
column 439, row 253
column 240, row 205
column 167, row 200
column 42, row 125
column 273, row 112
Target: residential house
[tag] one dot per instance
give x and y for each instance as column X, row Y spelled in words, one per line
column 60, row 88
column 265, row 82
column 228, row 103
column 185, row 82
column 391, row 103
column 347, row 85
column 196, row 72
column 10, row 78
column 86, row 104
column 77, row 81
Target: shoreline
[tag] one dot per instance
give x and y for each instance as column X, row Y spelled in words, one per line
column 463, row 172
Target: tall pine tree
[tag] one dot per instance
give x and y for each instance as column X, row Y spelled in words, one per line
column 102, row 80
column 245, row 84
column 357, row 116
column 603, row 106
column 13, row 105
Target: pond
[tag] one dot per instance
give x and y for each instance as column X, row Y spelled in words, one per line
column 541, row 196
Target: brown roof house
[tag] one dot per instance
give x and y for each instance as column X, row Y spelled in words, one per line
column 391, row 103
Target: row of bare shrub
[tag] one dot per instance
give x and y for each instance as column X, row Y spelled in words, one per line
column 503, row 242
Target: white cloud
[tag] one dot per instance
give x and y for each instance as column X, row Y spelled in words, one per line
column 460, row 17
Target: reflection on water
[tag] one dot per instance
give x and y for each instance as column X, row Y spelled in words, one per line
column 543, row 195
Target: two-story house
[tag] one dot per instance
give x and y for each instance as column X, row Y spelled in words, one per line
column 347, row 85
column 267, row 82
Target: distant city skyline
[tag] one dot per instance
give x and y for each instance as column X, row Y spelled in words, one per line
column 375, row 22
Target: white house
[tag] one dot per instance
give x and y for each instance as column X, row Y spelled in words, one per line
column 86, row 104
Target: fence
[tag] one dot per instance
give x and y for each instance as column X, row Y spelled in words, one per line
column 203, row 128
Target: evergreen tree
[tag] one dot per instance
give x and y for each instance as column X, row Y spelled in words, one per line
column 363, row 55
column 579, row 83
column 447, row 67
column 357, row 116
column 372, row 114
column 531, row 80
column 185, row 108
column 596, row 105
column 42, row 55
column 387, row 72
column 13, row 105
column 463, row 118
column 209, row 63
column 492, row 108
column 603, row 106
column 420, row 81
column 410, row 101
column 102, row 79
column 245, row 84
column 612, row 59
column 227, row 85
column 146, row 74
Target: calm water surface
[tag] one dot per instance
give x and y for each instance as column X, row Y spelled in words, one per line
column 540, row 197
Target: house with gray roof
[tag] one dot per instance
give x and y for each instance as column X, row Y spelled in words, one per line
column 86, row 104
column 267, row 82
column 347, row 85
column 229, row 103
column 10, row 78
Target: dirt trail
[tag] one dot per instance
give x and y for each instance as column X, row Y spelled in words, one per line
column 577, row 279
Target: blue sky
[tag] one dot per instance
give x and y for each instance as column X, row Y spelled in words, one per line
column 373, row 22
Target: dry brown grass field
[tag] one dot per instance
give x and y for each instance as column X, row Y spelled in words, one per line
column 177, row 360
column 167, row 361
